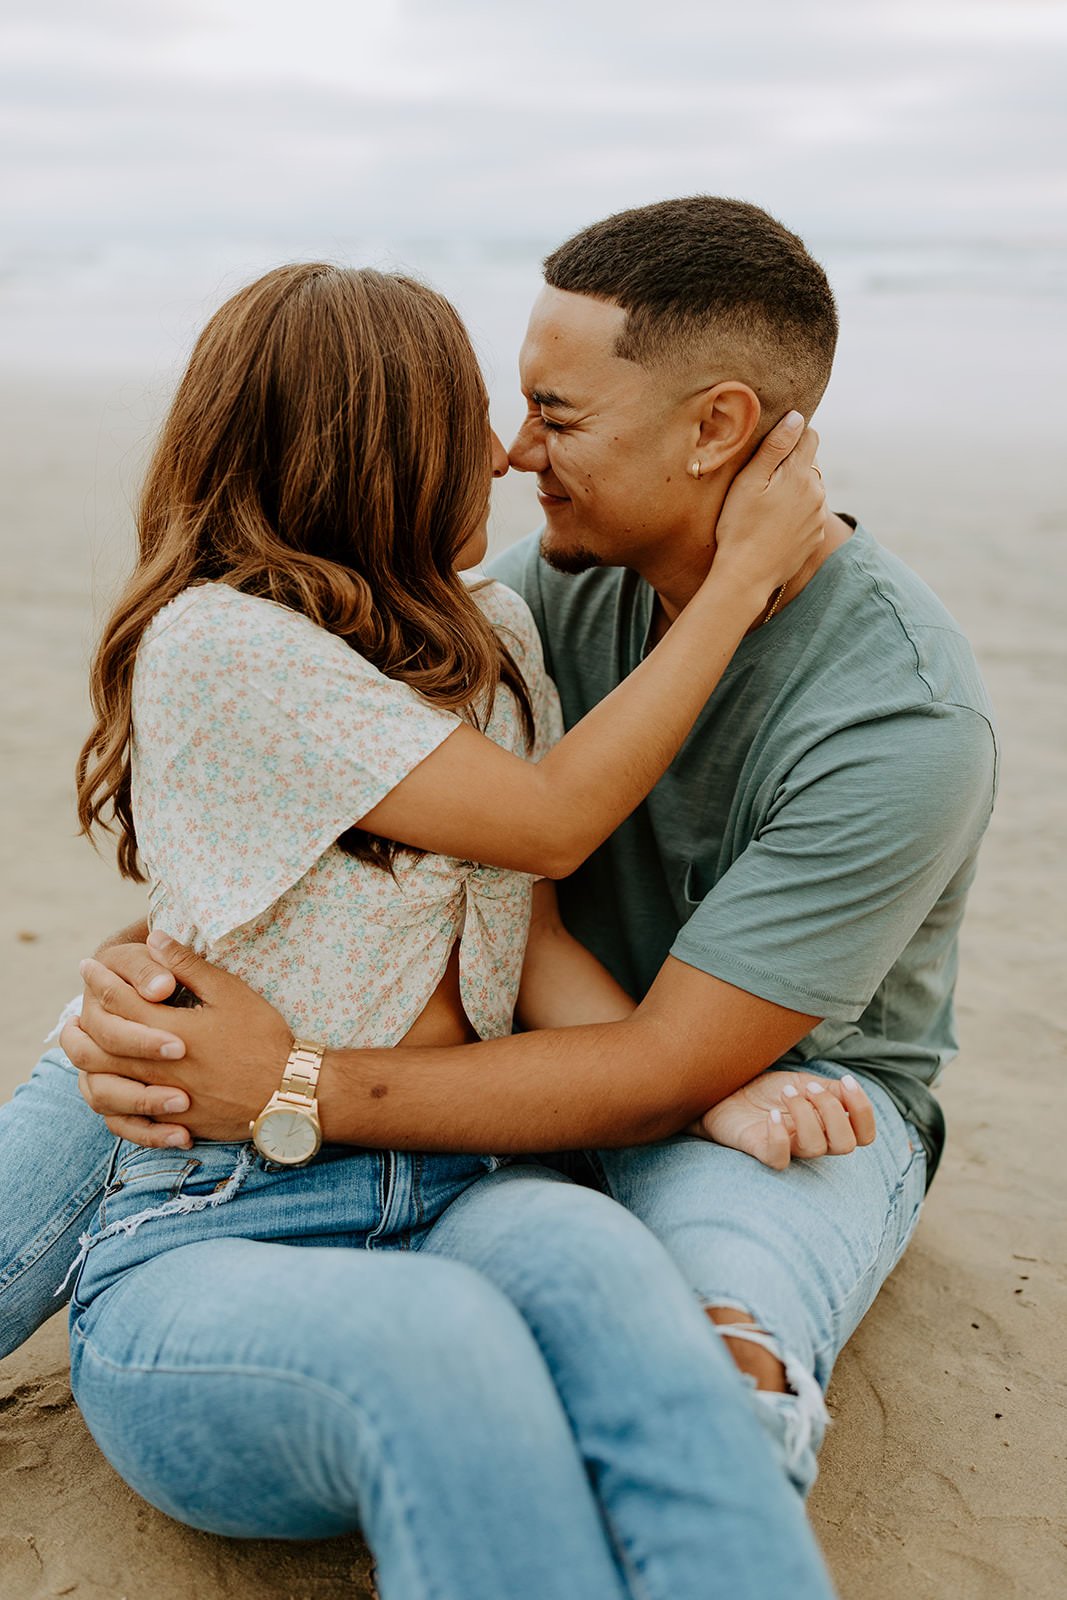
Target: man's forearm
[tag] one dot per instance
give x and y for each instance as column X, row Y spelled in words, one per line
column 606, row 1084
column 692, row 1041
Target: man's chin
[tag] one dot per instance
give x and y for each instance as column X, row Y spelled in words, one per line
column 571, row 559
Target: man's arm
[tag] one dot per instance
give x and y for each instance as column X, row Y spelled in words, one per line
column 693, row 1040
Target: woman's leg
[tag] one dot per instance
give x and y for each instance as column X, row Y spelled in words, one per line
column 687, row 1478
column 54, row 1155
column 269, row 1391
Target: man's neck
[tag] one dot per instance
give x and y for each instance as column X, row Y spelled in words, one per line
column 675, row 588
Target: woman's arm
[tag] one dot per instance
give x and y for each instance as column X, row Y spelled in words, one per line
column 471, row 799
column 563, row 984
column 773, row 1118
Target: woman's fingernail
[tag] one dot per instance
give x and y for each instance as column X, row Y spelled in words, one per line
column 158, row 940
column 83, row 967
column 814, row 1088
column 177, row 1102
column 175, row 1139
column 173, row 1051
column 849, row 1081
column 776, row 1115
column 790, row 1091
column 160, row 985
column 793, row 419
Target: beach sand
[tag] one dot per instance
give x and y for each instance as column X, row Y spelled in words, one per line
column 943, row 1477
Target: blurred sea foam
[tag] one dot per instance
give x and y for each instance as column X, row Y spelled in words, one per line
column 928, row 325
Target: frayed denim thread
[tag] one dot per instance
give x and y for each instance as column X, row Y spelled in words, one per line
column 179, row 1206
column 803, row 1423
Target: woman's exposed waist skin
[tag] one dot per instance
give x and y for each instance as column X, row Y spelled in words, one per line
column 443, row 1020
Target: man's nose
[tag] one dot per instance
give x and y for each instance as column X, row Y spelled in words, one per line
column 527, row 451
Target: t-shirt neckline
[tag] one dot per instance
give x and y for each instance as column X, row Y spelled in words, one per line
column 754, row 644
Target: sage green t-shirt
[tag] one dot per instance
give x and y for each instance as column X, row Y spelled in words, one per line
column 814, row 840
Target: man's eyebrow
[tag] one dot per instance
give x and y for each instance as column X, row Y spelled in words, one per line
column 556, row 402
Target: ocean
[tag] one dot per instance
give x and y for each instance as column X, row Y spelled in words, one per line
column 930, row 328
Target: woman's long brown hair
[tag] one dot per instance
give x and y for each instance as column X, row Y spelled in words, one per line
column 328, row 448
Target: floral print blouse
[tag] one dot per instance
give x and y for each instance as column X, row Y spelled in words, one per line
column 259, row 738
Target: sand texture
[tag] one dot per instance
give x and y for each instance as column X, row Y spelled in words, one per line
column 944, row 1476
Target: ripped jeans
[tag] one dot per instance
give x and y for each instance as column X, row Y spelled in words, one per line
column 498, row 1375
column 804, row 1252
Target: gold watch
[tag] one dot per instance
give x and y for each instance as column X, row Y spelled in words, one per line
column 287, row 1130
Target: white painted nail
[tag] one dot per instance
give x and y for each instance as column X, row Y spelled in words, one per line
column 776, row 1115
column 814, row 1088
column 849, row 1081
column 790, row 1091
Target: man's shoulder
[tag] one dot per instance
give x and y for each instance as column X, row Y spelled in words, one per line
column 903, row 633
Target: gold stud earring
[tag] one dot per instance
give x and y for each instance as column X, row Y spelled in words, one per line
column 696, row 469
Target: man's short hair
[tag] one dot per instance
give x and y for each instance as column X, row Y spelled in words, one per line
column 712, row 283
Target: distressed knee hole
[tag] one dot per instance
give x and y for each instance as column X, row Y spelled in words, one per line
column 749, row 1345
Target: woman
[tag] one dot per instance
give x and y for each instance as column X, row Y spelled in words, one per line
column 308, row 731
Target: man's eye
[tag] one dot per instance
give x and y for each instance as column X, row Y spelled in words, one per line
column 552, row 427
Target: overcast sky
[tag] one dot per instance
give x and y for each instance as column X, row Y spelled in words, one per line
column 155, row 119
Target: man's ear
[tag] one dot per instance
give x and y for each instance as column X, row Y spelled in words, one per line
column 728, row 417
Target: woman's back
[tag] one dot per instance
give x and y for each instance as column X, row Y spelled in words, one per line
column 259, row 738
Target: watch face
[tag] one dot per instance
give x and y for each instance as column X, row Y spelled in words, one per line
column 286, row 1136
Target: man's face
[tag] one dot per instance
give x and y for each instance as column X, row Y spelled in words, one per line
column 607, row 438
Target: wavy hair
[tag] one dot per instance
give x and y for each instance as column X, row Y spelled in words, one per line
column 328, row 448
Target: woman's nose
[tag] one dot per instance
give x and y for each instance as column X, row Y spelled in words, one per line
column 499, row 455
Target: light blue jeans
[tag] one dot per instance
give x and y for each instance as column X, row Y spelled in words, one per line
column 500, row 1376
column 804, row 1252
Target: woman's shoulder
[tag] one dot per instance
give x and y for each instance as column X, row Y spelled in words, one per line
column 207, row 608
column 246, row 634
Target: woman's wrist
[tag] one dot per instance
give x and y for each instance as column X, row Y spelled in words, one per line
column 732, row 581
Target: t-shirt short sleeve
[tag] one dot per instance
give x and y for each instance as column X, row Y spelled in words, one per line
column 259, row 738
column 859, row 841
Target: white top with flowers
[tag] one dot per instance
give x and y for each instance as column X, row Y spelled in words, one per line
column 259, row 738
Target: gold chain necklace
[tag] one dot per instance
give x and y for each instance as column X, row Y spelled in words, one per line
column 775, row 603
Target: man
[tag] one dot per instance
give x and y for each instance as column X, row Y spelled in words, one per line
column 790, row 893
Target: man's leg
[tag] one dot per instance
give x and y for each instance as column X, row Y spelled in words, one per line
column 688, row 1484
column 793, row 1258
column 54, row 1155
column 272, row 1391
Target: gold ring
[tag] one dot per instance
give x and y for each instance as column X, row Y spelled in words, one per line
column 817, row 469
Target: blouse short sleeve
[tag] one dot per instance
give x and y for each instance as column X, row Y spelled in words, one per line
column 513, row 621
column 259, row 738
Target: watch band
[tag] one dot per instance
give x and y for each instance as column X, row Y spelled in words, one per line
column 302, row 1068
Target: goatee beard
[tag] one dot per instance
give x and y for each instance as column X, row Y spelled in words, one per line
column 570, row 561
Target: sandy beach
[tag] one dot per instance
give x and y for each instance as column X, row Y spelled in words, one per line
column 944, row 1476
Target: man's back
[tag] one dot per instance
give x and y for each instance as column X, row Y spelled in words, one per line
column 815, row 838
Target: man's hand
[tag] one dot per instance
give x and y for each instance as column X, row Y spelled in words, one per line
column 210, row 1070
column 782, row 1115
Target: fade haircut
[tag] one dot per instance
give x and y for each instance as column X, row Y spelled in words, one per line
column 711, row 283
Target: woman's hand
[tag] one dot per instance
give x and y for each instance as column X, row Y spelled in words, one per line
column 773, row 518
column 782, row 1115
column 209, row 1071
